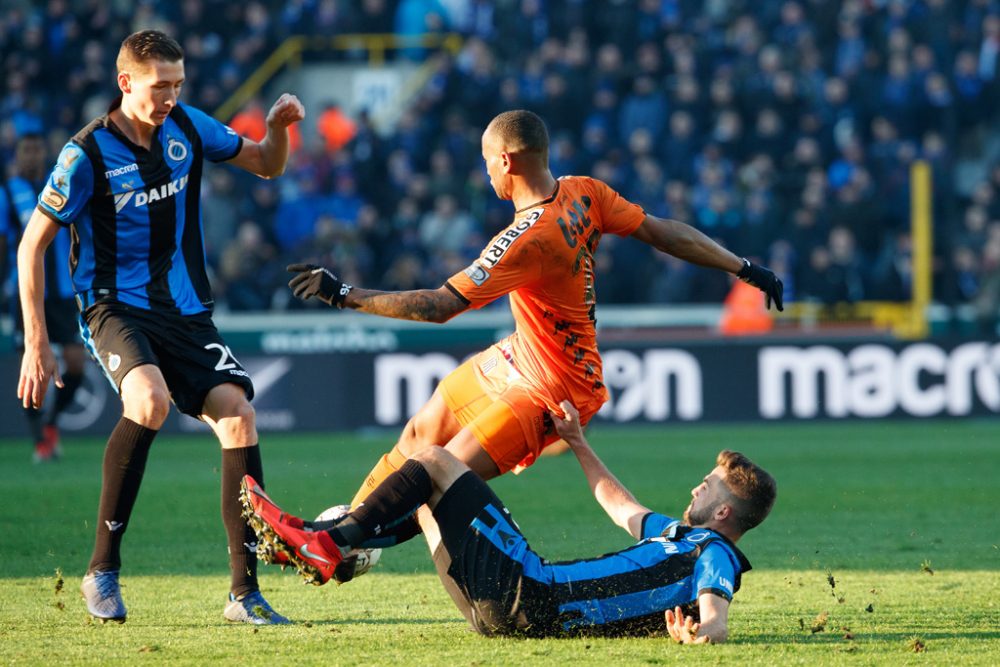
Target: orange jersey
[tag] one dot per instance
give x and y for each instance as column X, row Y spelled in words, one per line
column 545, row 261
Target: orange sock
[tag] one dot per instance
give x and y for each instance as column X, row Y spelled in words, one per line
column 388, row 464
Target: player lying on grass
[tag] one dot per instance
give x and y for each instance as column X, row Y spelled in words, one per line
column 685, row 571
column 492, row 412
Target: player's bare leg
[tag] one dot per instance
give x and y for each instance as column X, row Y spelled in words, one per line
column 145, row 397
column 231, row 416
column 429, row 527
column 466, row 448
column 228, row 412
column 434, row 424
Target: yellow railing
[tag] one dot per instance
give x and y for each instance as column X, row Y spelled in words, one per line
column 906, row 319
column 290, row 53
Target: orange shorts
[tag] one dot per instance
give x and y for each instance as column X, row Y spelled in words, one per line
column 486, row 394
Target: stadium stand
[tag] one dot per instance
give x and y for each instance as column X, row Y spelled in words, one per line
column 786, row 129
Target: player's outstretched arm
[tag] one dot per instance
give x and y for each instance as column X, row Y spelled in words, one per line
column 687, row 243
column 38, row 365
column 611, row 494
column 423, row 305
column 269, row 157
column 714, row 625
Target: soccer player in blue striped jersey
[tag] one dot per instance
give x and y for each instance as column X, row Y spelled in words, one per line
column 128, row 186
column 18, row 198
column 680, row 576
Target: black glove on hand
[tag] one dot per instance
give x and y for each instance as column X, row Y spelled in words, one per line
column 764, row 280
column 315, row 281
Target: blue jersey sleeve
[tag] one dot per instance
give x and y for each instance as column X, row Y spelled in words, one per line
column 654, row 525
column 70, row 186
column 714, row 572
column 220, row 141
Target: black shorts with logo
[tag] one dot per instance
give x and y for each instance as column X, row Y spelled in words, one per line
column 487, row 585
column 187, row 349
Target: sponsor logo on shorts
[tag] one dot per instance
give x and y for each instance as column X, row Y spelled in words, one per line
column 502, row 241
column 477, row 274
column 176, row 151
column 114, row 362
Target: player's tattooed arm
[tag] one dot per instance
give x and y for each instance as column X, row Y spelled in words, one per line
column 422, row 305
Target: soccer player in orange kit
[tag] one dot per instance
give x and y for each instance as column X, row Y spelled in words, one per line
column 492, row 412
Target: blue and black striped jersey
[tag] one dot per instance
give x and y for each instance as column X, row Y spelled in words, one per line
column 18, row 198
column 135, row 214
column 625, row 592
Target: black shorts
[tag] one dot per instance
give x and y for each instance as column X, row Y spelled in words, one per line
column 187, row 349
column 62, row 322
column 487, row 585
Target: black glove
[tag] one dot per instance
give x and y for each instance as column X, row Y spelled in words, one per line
column 315, row 281
column 764, row 280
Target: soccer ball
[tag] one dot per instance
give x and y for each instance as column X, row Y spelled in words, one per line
column 366, row 558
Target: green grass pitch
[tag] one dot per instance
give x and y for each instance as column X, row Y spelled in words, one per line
column 883, row 548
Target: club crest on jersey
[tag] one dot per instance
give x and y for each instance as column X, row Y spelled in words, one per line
column 502, row 242
column 176, row 151
column 114, row 362
column 144, row 197
column 477, row 274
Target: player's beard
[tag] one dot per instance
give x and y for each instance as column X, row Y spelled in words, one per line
column 693, row 517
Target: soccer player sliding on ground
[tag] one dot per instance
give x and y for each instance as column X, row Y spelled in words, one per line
column 129, row 184
column 681, row 574
column 492, row 412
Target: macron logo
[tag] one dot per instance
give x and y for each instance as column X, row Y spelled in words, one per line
column 114, row 525
column 127, row 169
column 144, row 197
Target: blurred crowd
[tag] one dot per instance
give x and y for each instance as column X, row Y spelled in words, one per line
column 784, row 128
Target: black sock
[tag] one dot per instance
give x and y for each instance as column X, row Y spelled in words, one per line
column 390, row 505
column 401, row 532
column 34, row 423
column 124, row 462
column 64, row 394
column 237, row 462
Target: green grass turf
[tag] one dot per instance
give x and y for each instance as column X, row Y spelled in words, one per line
column 876, row 506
